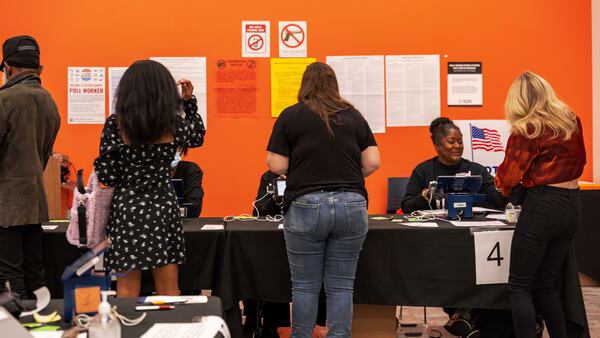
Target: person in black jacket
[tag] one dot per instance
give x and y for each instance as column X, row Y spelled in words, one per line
column 264, row 202
column 191, row 174
column 448, row 143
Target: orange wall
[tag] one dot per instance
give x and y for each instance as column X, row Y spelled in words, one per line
column 550, row 37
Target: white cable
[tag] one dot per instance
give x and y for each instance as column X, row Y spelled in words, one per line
column 83, row 321
column 247, row 217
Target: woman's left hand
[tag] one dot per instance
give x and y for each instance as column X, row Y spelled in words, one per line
column 187, row 89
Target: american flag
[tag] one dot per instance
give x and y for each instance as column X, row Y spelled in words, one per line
column 486, row 139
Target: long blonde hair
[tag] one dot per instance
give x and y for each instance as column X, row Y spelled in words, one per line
column 532, row 106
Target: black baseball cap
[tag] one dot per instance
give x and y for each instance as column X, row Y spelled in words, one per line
column 21, row 51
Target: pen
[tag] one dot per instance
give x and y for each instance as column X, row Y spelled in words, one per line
column 153, row 307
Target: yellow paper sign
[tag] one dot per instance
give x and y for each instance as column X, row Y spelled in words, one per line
column 286, row 76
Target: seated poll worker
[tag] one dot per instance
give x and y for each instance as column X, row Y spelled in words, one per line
column 448, row 143
column 191, row 175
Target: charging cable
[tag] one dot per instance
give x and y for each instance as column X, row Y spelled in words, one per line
column 82, row 321
column 247, row 217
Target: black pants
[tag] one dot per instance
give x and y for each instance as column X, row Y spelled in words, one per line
column 21, row 258
column 543, row 236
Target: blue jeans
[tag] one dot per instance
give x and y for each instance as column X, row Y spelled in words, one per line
column 324, row 233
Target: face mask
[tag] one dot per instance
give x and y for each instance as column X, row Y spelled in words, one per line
column 176, row 160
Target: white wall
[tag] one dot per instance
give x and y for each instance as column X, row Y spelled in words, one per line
column 595, row 157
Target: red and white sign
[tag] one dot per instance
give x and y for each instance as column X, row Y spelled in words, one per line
column 484, row 141
column 255, row 38
column 292, row 39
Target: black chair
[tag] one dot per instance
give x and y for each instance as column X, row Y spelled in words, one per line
column 396, row 189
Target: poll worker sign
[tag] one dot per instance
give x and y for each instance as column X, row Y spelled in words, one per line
column 484, row 141
column 492, row 256
column 255, row 39
column 292, row 39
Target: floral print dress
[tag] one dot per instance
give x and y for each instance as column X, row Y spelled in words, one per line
column 144, row 223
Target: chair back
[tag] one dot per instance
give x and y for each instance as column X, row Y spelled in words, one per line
column 396, row 188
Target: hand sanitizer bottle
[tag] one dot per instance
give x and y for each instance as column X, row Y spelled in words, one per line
column 104, row 324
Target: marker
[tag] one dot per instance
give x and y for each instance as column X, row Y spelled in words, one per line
column 153, row 307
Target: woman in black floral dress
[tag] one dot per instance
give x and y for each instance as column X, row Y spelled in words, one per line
column 137, row 146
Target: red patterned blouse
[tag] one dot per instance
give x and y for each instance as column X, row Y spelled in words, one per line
column 540, row 161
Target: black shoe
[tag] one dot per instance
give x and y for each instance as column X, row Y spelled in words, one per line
column 459, row 327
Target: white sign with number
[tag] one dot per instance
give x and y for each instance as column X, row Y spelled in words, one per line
column 492, row 256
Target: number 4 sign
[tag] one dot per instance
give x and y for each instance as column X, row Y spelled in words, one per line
column 492, row 256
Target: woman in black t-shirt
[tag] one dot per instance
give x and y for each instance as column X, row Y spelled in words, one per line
column 326, row 149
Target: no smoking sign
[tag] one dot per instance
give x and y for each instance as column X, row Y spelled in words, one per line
column 292, row 39
column 255, row 38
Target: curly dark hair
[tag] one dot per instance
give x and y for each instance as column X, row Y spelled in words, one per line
column 439, row 129
column 147, row 103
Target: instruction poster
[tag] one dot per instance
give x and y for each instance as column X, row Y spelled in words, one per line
column 86, row 99
column 361, row 81
column 235, row 87
column 412, row 89
column 256, row 37
column 465, row 84
column 286, row 76
column 114, row 76
column 193, row 69
column 292, row 39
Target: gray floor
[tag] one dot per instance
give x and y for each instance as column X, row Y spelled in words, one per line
column 436, row 317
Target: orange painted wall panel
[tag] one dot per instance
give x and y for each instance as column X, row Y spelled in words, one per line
column 551, row 37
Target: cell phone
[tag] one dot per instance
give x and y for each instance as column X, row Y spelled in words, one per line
column 279, row 186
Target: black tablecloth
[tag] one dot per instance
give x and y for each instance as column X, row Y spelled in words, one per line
column 183, row 313
column 198, row 272
column 399, row 265
column 588, row 235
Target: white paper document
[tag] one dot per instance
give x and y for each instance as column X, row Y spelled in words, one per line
column 177, row 330
column 480, row 209
column 465, row 84
column 477, row 223
column 193, row 69
column 114, row 77
column 213, row 227
column 412, row 89
column 492, row 256
column 361, row 82
column 421, row 224
column 500, row 217
column 86, row 103
column 174, row 299
column 54, row 334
